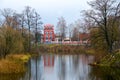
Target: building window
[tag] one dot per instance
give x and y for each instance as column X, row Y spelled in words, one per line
column 46, row 33
column 46, row 37
column 50, row 33
column 51, row 38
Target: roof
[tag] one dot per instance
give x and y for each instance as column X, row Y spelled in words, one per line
column 84, row 36
column 48, row 26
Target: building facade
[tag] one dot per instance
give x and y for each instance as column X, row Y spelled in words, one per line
column 84, row 38
column 49, row 35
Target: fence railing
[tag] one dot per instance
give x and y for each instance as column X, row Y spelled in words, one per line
column 71, row 42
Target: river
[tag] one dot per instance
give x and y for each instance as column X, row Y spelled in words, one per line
column 64, row 67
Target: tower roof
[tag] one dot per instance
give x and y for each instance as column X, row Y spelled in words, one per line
column 48, row 26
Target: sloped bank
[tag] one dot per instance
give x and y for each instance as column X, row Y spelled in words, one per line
column 110, row 60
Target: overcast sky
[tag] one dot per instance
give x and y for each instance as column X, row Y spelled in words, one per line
column 50, row 10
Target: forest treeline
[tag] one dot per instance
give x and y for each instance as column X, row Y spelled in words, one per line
column 19, row 31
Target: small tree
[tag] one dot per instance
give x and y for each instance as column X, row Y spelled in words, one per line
column 11, row 41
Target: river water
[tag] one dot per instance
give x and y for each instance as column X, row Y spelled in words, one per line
column 64, row 67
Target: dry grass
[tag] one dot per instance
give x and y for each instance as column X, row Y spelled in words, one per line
column 19, row 57
column 7, row 66
column 13, row 64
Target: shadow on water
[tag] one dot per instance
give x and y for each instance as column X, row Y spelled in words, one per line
column 105, row 73
column 11, row 76
column 64, row 67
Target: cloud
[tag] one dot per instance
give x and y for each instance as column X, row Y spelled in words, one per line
column 49, row 10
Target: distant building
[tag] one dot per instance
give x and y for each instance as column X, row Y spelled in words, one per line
column 84, row 38
column 57, row 39
column 48, row 35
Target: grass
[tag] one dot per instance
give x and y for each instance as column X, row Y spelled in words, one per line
column 109, row 60
column 90, row 51
column 19, row 57
column 13, row 64
column 65, row 49
column 8, row 67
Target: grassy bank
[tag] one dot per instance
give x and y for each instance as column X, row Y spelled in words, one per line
column 109, row 60
column 63, row 49
column 112, row 60
column 13, row 63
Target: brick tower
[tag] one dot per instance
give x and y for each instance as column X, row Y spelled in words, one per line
column 49, row 35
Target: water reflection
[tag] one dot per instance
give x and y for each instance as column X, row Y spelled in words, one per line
column 36, row 68
column 64, row 67
column 48, row 61
column 73, row 67
column 48, row 65
column 60, row 67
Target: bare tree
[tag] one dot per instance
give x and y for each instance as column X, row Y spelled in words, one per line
column 10, row 18
column 1, row 22
column 104, row 13
column 61, row 25
column 29, row 22
column 37, row 25
column 70, row 28
column 75, row 34
column 21, row 19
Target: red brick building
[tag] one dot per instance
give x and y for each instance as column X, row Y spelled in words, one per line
column 85, row 38
column 49, row 35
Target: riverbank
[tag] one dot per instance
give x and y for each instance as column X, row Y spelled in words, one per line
column 14, row 63
column 102, row 58
column 109, row 60
column 112, row 60
column 65, row 49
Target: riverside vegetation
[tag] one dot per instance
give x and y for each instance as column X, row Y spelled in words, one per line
column 17, row 38
column 65, row 49
column 103, row 20
column 104, row 17
column 12, row 44
column 14, row 63
column 101, row 58
column 109, row 60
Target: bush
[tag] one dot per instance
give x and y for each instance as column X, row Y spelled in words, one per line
column 8, row 66
column 14, row 64
column 11, row 41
